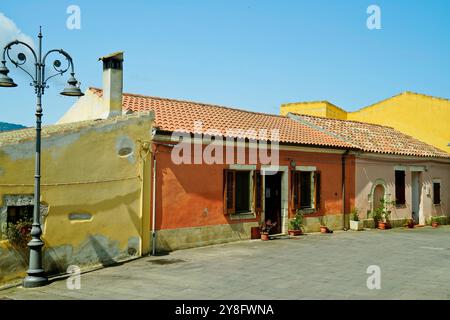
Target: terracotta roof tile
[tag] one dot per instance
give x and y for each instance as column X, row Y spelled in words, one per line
column 372, row 137
column 180, row 116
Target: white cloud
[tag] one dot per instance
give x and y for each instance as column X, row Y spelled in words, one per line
column 10, row 32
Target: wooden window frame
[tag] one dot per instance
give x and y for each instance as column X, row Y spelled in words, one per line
column 317, row 189
column 227, row 209
column 310, row 185
column 256, row 194
column 295, row 191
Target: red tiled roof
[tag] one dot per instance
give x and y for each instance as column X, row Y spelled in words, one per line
column 173, row 115
column 180, row 116
column 372, row 137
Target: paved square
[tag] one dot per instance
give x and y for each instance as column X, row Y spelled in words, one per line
column 414, row 265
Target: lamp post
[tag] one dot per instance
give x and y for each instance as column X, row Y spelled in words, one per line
column 36, row 274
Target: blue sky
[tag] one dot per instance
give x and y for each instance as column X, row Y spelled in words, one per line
column 251, row 54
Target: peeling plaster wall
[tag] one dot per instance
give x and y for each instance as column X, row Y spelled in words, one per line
column 94, row 195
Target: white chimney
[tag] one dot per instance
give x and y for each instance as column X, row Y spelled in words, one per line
column 113, row 83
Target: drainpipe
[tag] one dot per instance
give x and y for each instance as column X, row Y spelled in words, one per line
column 343, row 158
column 142, row 206
column 144, row 147
column 154, row 205
column 155, row 143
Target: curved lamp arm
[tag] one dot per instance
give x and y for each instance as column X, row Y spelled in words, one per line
column 57, row 65
column 21, row 57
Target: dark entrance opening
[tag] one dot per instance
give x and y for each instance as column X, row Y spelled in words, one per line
column 272, row 204
column 18, row 213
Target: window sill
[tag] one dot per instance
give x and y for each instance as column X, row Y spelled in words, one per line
column 400, row 206
column 437, row 204
column 308, row 211
column 243, row 216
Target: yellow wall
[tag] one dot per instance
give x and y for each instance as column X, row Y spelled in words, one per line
column 320, row 109
column 424, row 117
column 83, row 173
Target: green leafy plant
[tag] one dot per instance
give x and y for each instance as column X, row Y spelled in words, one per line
column 19, row 233
column 434, row 219
column 354, row 214
column 441, row 220
column 377, row 214
column 409, row 222
column 382, row 213
column 297, row 222
column 266, row 226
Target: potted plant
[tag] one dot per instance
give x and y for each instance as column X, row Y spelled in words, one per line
column 434, row 222
column 355, row 223
column 410, row 223
column 296, row 224
column 323, row 227
column 265, row 229
column 382, row 214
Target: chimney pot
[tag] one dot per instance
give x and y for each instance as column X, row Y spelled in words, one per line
column 113, row 83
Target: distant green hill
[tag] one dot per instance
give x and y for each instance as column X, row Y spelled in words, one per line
column 10, row 126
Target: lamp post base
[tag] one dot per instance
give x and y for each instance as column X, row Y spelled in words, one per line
column 35, row 281
column 36, row 276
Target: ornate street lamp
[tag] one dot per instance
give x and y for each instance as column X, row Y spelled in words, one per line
column 36, row 274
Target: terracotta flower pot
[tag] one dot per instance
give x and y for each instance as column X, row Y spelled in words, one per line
column 295, row 232
column 434, row 224
column 323, row 229
column 265, row 236
column 382, row 225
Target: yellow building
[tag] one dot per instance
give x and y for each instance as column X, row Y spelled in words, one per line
column 95, row 195
column 315, row 108
column 424, row 117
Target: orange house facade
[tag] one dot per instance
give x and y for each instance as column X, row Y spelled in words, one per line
column 263, row 167
column 206, row 204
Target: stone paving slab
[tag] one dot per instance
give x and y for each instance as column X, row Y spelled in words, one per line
column 414, row 265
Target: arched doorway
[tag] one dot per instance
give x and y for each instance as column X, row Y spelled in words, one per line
column 378, row 195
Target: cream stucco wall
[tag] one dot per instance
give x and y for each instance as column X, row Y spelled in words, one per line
column 85, row 172
column 373, row 169
column 88, row 107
